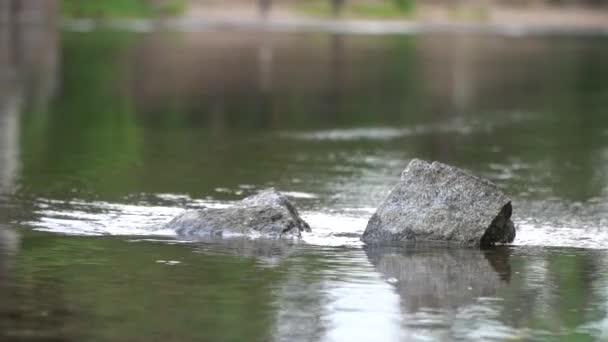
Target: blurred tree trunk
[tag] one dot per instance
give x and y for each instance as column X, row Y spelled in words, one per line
column 265, row 6
column 336, row 7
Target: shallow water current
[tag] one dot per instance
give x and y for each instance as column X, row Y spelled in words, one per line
column 106, row 135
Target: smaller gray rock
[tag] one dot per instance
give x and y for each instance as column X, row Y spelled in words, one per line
column 268, row 213
column 441, row 203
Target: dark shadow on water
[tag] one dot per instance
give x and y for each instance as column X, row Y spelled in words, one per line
column 499, row 259
column 441, row 278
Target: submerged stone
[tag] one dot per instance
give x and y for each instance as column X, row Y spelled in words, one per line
column 268, row 213
column 441, row 203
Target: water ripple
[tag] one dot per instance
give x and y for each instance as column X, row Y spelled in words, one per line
column 566, row 226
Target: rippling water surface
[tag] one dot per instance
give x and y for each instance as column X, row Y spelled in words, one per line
column 107, row 135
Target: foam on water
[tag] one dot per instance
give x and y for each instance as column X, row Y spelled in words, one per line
column 101, row 218
column 561, row 236
column 380, row 133
column 454, row 126
column 334, row 229
column 77, row 217
column 341, row 227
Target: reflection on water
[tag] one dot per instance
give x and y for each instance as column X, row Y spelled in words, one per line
column 437, row 278
column 106, row 135
column 266, row 252
column 9, row 130
column 109, row 288
column 443, row 290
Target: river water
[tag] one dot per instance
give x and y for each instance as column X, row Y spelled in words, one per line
column 105, row 135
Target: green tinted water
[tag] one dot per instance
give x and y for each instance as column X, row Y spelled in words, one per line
column 106, row 135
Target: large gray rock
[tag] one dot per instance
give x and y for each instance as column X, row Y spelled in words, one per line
column 438, row 202
column 268, row 213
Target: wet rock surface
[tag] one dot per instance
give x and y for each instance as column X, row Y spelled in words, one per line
column 441, row 203
column 268, row 214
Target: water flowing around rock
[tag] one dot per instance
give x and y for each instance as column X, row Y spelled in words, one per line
column 268, row 213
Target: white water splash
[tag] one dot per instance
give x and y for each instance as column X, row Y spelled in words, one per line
column 561, row 236
column 102, row 218
column 455, row 126
column 93, row 218
column 329, row 228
